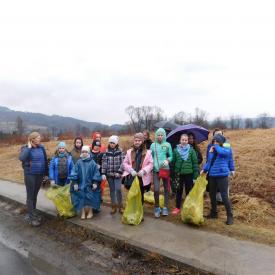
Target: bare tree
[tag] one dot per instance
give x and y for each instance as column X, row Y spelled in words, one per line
column 19, row 126
column 235, row 122
column 182, row 118
column 200, row 118
column 264, row 121
column 218, row 122
column 248, row 123
column 144, row 117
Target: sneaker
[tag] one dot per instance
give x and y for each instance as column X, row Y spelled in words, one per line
column 165, row 211
column 157, row 212
column 35, row 223
column 37, row 216
column 176, row 211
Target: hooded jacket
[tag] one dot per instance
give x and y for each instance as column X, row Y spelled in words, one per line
column 161, row 151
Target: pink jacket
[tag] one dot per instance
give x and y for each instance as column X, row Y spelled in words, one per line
column 147, row 165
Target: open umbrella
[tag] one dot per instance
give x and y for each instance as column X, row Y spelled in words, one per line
column 168, row 126
column 200, row 133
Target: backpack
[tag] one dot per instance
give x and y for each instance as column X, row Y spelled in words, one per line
column 62, row 168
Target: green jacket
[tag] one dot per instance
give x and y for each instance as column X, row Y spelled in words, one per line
column 161, row 151
column 190, row 166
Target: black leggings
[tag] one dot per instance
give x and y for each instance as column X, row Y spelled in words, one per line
column 187, row 181
column 220, row 183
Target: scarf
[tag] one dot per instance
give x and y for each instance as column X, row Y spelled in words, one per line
column 82, row 157
column 184, row 151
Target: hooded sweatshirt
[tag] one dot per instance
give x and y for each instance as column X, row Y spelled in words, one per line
column 161, row 151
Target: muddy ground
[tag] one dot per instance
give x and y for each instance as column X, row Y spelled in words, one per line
column 59, row 247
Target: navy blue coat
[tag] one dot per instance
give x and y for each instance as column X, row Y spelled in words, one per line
column 34, row 160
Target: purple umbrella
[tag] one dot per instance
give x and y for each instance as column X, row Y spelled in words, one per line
column 200, row 133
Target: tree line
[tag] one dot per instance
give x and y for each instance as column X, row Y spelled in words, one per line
column 145, row 117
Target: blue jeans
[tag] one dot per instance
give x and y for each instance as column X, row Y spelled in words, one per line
column 115, row 190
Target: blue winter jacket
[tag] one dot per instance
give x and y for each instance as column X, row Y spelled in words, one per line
column 34, row 160
column 223, row 164
column 53, row 171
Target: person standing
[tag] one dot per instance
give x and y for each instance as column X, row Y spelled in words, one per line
column 219, row 166
column 192, row 141
column 61, row 166
column 162, row 156
column 85, row 187
column 186, row 168
column 139, row 162
column 147, row 139
column 112, row 169
column 75, row 153
column 34, row 162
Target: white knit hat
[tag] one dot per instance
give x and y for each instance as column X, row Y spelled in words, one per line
column 114, row 139
column 86, row 148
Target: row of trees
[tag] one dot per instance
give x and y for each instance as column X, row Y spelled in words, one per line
column 145, row 117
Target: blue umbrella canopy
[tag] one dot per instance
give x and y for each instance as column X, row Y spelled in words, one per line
column 200, row 133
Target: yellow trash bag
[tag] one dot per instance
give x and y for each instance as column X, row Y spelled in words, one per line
column 133, row 212
column 149, row 198
column 61, row 197
column 192, row 209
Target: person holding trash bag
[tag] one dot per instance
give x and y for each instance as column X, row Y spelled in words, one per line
column 112, row 168
column 162, row 155
column 34, row 162
column 219, row 166
column 85, row 186
column 76, row 152
column 61, row 166
column 186, row 169
column 138, row 162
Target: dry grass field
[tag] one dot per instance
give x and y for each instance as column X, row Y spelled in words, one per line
column 252, row 189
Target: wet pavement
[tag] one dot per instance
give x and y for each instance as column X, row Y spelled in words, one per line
column 59, row 247
column 184, row 244
column 11, row 262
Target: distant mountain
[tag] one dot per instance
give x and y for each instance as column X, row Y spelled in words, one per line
column 48, row 123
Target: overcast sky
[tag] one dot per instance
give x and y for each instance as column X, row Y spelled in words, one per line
column 91, row 59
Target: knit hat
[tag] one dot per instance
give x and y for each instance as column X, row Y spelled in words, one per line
column 219, row 138
column 96, row 143
column 114, row 139
column 139, row 136
column 86, row 148
column 61, row 144
column 33, row 136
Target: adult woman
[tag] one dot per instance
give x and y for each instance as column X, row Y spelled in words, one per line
column 34, row 162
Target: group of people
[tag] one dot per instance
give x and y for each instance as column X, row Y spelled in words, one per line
column 87, row 168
